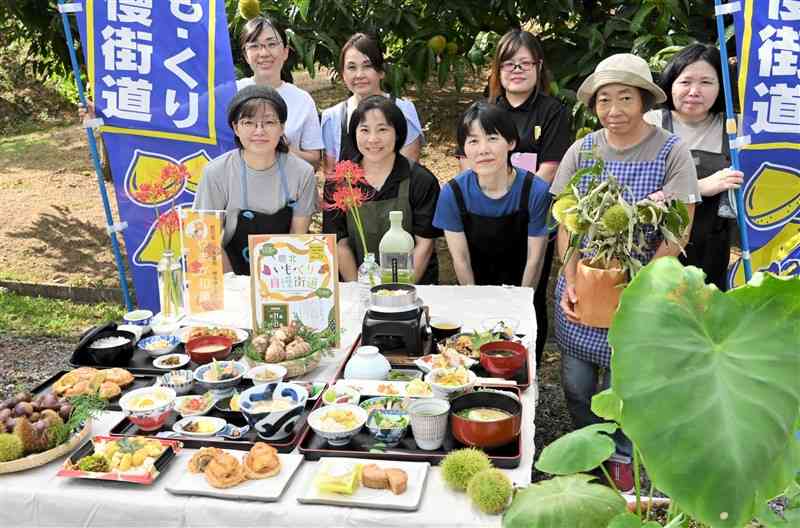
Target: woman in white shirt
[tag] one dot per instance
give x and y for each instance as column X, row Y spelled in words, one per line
column 265, row 49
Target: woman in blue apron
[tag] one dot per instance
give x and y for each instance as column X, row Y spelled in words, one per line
column 694, row 111
column 262, row 187
column 393, row 183
column 645, row 158
column 493, row 215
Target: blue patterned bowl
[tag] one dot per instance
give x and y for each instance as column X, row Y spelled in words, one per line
column 388, row 426
column 273, row 409
column 223, row 388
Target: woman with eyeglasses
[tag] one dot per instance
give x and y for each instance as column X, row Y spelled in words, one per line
column 518, row 83
column 266, row 50
column 262, row 187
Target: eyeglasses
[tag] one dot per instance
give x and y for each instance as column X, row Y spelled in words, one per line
column 248, row 125
column 525, row 66
column 271, row 46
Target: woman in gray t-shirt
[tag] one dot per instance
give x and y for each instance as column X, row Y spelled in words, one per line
column 262, row 187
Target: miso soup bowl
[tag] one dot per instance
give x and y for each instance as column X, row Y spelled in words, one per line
column 503, row 366
column 273, row 425
column 478, row 433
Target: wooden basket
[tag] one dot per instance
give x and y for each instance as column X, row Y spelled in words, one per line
column 45, row 457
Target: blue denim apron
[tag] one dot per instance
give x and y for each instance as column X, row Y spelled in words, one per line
column 642, row 178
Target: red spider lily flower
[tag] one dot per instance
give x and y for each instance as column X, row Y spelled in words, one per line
column 168, row 223
column 348, row 172
column 344, row 199
column 172, row 178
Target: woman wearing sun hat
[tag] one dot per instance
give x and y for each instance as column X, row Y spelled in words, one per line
column 647, row 159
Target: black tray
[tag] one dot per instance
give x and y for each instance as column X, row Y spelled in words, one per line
column 362, row 445
column 139, row 381
column 141, row 362
column 126, row 428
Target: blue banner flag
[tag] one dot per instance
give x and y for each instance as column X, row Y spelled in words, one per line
column 161, row 74
column 768, row 40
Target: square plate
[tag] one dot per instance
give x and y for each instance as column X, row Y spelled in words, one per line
column 172, row 448
column 364, row 497
column 265, row 490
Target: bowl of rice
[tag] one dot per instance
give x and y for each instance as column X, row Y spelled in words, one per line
column 111, row 348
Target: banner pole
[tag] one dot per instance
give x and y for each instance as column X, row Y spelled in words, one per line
column 731, row 129
column 110, row 226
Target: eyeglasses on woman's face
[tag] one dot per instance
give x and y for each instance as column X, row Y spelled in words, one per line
column 523, row 65
column 250, row 125
column 257, row 47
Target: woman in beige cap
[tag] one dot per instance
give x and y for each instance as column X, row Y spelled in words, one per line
column 647, row 159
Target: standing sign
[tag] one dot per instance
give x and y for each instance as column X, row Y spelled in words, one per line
column 201, row 235
column 294, row 278
column 162, row 75
column 769, row 90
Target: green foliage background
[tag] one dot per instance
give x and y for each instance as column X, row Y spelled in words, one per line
column 576, row 34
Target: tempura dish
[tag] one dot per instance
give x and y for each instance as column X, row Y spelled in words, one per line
column 448, row 382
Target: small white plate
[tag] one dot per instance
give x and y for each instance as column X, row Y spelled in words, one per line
column 159, row 361
column 179, row 426
column 180, row 399
column 241, row 335
column 379, row 388
column 265, row 490
column 367, row 497
column 425, row 363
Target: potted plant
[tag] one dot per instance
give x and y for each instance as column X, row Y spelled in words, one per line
column 610, row 230
column 706, row 387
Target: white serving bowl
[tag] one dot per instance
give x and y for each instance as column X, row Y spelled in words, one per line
column 148, row 417
column 449, row 391
column 337, row 438
column 159, row 345
column 278, row 373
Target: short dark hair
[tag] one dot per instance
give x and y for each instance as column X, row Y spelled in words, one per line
column 394, row 116
column 689, row 55
column 648, row 100
column 252, row 30
column 369, row 45
column 493, row 120
column 247, row 103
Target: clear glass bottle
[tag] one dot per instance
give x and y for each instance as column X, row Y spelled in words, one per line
column 170, row 286
column 369, row 275
column 397, row 252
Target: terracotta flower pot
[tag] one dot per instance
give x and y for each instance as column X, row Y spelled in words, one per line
column 598, row 292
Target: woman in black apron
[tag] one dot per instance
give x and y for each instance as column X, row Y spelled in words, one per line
column 518, row 83
column 393, row 183
column 262, row 188
column 694, row 111
column 493, row 215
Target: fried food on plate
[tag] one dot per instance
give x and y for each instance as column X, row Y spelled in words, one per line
column 261, row 462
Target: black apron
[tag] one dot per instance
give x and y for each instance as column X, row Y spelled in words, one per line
column 498, row 246
column 251, row 222
column 709, row 246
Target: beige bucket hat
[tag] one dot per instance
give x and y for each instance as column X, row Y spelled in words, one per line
column 622, row 68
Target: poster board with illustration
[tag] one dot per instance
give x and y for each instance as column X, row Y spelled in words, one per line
column 201, row 237
column 294, row 277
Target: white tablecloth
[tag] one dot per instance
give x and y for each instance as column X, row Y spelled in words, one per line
column 38, row 497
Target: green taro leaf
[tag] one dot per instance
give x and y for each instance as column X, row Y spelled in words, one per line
column 626, row 520
column 607, row 405
column 580, row 450
column 268, row 250
column 709, row 385
column 564, row 501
